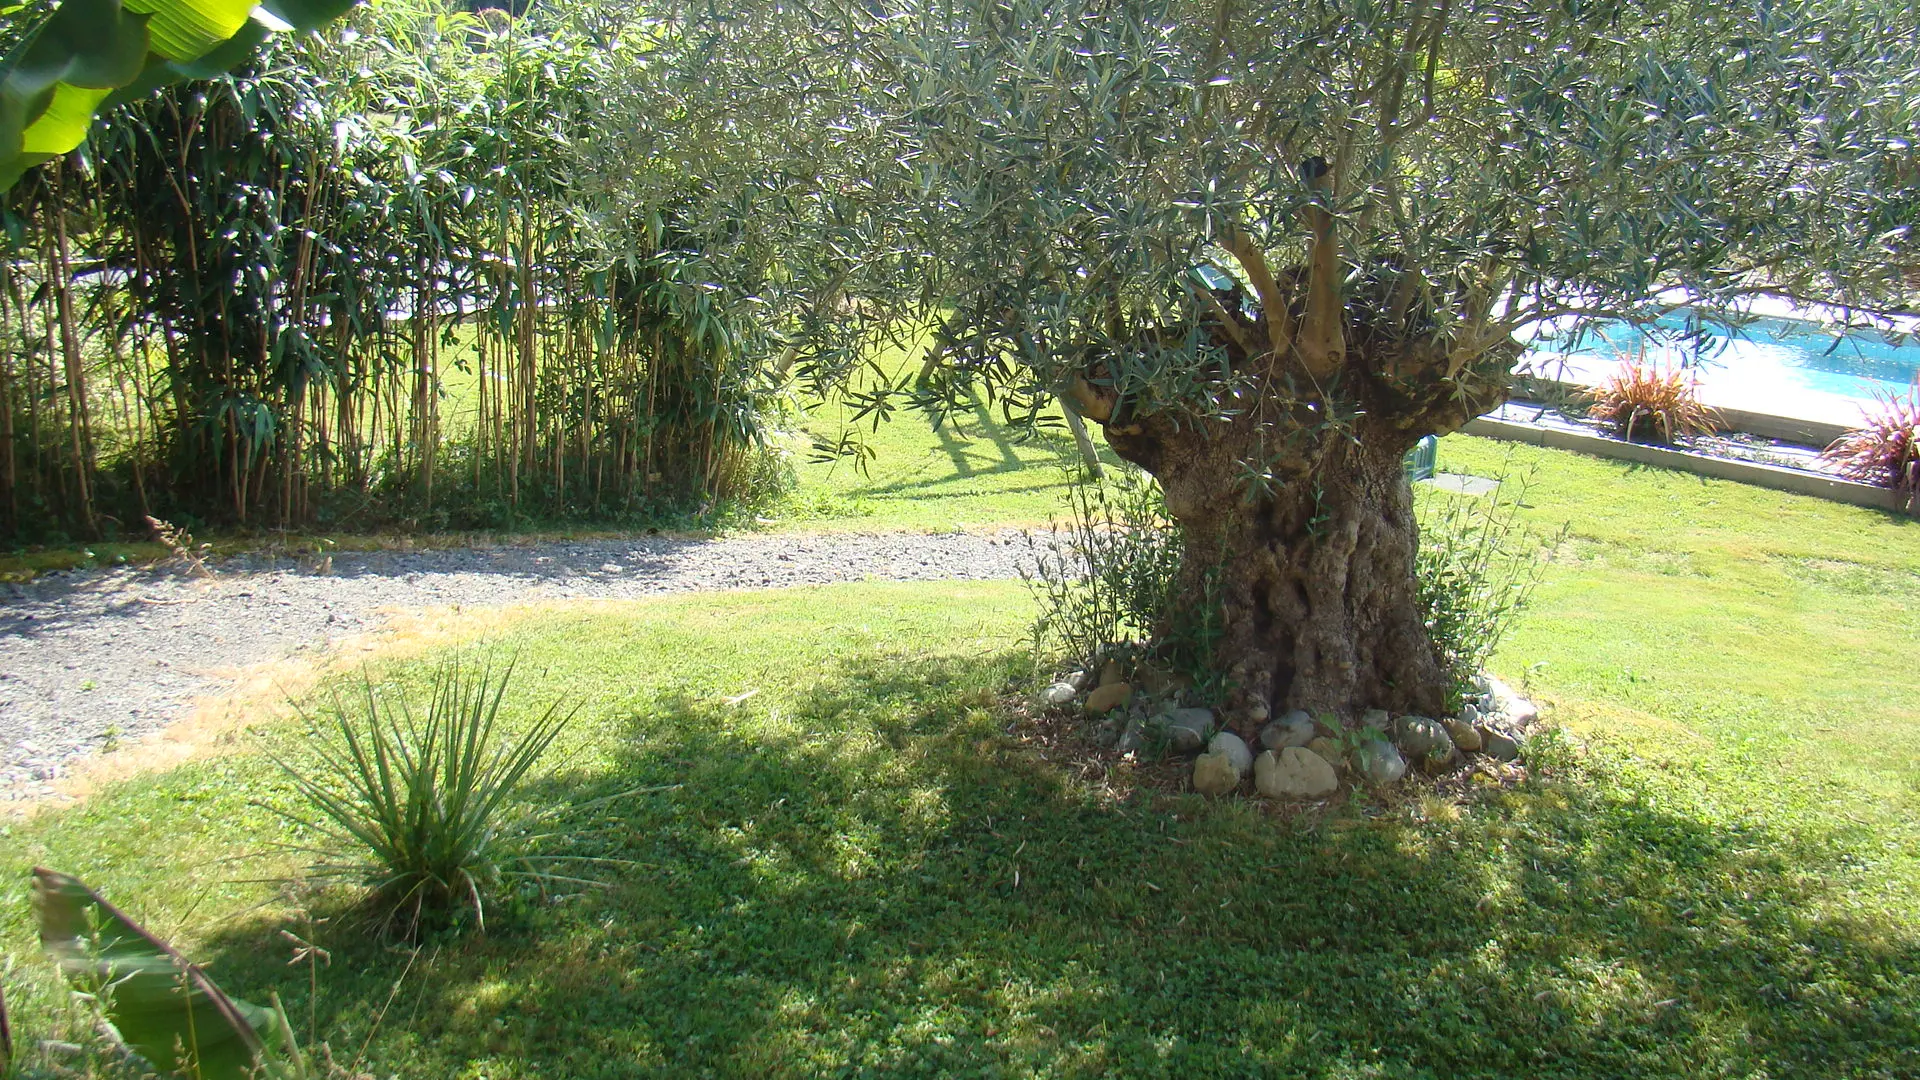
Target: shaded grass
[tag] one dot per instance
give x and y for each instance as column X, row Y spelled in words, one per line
column 973, row 469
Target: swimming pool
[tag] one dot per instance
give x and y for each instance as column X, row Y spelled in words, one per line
column 1787, row 366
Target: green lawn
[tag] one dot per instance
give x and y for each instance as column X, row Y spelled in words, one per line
column 870, row 868
column 1760, row 647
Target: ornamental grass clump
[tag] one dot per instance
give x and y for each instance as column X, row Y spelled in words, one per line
column 422, row 809
column 1885, row 451
column 1645, row 402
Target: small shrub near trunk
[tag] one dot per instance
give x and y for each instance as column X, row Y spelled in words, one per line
column 1107, row 582
column 1478, row 566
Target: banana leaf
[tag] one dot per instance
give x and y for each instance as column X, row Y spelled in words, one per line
column 89, row 54
column 163, row 1008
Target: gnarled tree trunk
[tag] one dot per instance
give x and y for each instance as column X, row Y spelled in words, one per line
column 1298, row 502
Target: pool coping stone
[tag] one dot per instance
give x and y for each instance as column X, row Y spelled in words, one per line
column 1768, row 476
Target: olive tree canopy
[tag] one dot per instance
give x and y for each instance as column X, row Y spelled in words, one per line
column 1385, row 193
column 1266, row 246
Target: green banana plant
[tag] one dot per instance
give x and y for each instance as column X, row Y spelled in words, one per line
column 162, row 1007
column 86, row 55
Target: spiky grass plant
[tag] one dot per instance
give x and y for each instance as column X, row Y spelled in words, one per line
column 418, row 808
column 1885, row 451
column 1647, row 402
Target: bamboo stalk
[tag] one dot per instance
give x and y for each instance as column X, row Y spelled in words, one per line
column 9, row 465
column 60, row 276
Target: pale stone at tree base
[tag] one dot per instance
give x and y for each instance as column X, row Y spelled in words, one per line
column 1326, row 748
column 1295, row 728
column 1236, row 750
column 1418, row 736
column 1380, row 762
column 1463, row 734
column 1214, row 774
column 1499, row 745
column 1108, row 696
column 1188, row 729
column 1296, row 773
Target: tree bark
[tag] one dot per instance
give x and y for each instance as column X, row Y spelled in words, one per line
column 1299, row 508
column 1089, row 454
column 1320, row 608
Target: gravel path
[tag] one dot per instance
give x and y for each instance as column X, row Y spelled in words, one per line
column 91, row 655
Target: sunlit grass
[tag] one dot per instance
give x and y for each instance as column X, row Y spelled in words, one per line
column 1753, row 646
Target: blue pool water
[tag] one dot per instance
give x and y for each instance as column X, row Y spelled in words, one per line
column 1772, row 359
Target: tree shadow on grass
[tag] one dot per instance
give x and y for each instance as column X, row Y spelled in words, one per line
column 875, row 878
column 964, row 430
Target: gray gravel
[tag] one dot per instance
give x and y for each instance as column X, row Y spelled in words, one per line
column 94, row 655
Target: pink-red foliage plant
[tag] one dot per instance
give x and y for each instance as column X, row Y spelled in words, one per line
column 1885, row 451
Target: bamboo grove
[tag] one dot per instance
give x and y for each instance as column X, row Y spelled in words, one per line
column 366, row 282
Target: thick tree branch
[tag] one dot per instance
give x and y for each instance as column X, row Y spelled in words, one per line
column 1092, row 401
column 1275, row 304
column 1321, row 342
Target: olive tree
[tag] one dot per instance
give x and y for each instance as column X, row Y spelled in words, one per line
column 1268, row 246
